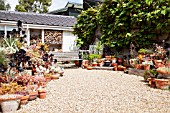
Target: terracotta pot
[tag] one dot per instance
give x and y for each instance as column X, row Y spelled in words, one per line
column 10, row 102
column 138, row 66
column 89, row 68
column 146, row 67
column 42, row 84
column 108, row 57
column 94, row 64
column 114, row 60
column 152, row 82
column 158, row 63
column 120, row 68
column 114, row 64
column 120, row 60
column 48, row 79
column 115, row 68
column 162, row 83
column 55, row 76
column 24, row 100
column 33, row 95
column 42, row 93
column 85, row 65
column 85, row 62
column 76, row 63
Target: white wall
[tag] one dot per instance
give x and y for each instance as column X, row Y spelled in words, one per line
column 68, row 41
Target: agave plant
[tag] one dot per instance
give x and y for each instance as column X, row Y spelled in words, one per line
column 10, row 44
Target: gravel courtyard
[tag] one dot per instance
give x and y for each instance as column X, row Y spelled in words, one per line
column 99, row 91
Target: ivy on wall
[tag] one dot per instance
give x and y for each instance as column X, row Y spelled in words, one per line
column 86, row 26
column 124, row 21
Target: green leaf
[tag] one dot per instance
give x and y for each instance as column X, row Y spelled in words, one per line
column 163, row 12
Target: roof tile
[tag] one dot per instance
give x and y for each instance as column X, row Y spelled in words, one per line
column 41, row 19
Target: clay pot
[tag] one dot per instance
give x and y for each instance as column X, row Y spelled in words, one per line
column 33, row 95
column 162, row 83
column 42, row 84
column 138, row 66
column 152, row 82
column 42, row 93
column 115, row 68
column 146, row 67
column 108, row 57
column 76, row 63
column 85, row 62
column 120, row 68
column 85, row 65
column 94, row 64
column 158, row 63
column 89, row 68
column 10, row 102
column 114, row 60
column 120, row 60
column 24, row 100
column 114, row 64
column 55, row 76
column 48, row 79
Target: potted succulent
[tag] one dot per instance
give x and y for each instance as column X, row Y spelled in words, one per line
column 55, row 72
column 162, row 83
column 42, row 93
column 8, row 99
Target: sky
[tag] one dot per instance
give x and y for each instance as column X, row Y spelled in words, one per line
column 56, row 4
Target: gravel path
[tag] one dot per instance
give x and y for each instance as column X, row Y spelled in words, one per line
column 98, row 91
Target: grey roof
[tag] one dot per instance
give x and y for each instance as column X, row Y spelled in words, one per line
column 40, row 19
column 69, row 4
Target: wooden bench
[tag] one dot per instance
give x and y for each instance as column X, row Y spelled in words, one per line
column 65, row 56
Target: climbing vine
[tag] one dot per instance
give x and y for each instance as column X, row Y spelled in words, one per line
column 86, row 26
column 124, row 21
column 137, row 21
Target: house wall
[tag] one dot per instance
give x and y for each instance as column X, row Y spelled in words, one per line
column 68, row 41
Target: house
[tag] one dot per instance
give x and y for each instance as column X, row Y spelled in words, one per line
column 90, row 3
column 74, row 9
column 55, row 30
column 71, row 9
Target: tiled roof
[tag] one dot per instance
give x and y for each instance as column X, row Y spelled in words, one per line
column 69, row 4
column 40, row 19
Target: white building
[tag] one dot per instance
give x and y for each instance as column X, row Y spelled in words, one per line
column 55, row 30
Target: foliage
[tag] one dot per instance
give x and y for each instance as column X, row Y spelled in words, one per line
column 124, row 21
column 86, row 26
column 10, row 88
column 145, row 51
column 3, row 59
column 99, row 47
column 40, row 6
column 4, row 6
column 93, row 56
column 10, row 45
column 150, row 74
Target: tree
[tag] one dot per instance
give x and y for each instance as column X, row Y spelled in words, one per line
column 4, row 6
column 85, row 27
column 40, row 6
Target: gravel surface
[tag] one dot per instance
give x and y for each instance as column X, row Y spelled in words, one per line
column 98, row 91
